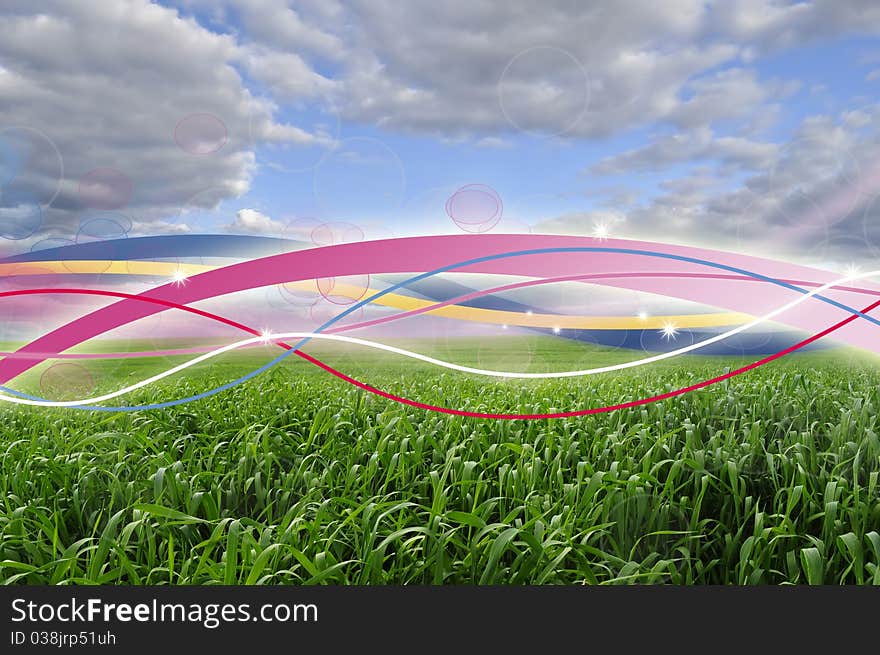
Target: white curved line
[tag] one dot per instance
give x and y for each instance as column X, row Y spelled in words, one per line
column 430, row 360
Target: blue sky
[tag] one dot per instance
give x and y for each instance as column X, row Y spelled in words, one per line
column 539, row 177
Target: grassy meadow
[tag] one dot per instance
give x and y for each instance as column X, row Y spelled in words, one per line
column 298, row 478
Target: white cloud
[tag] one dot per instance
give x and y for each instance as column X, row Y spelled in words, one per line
column 287, row 74
column 110, row 85
column 700, row 144
column 253, row 221
column 731, row 93
column 448, row 68
column 856, row 118
column 276, row 24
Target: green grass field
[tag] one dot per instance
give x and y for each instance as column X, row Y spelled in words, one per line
column 296, row 477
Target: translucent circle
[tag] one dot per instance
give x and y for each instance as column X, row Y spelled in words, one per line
column 287, row 298
column 301, row 228
column 33, row 161
column 325, row 285
column 544, row 85
column 66, row 381
column 105, row 188
column 20, row 215
column 475, row 208
column 201, row 134
column 742, row 343
column 51, row 243
column 105, row 231
column 345, row 290
column 101, row 228
column 330, row 234
column 10, row 161
column 361, row 176
column 50, row 277
column 105, row 225
column 300, row 293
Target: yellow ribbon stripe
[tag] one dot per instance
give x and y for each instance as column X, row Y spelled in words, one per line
column 175, row 271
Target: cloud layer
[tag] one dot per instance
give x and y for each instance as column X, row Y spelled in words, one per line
column 109, row 92
column 145, row 109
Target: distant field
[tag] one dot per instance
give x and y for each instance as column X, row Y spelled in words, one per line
column 296, row 477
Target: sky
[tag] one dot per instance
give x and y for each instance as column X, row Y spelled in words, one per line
column 748, row 125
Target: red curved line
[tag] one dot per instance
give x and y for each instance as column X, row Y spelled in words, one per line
column 132, row 296
column 130, row 354
column 594, row 410
column 459, row 412
column 386, row 256
column 580, row 278
column 385, row 319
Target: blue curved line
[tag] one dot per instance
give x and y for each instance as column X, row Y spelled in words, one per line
column 436, row 271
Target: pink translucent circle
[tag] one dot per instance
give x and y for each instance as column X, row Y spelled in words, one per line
column 105, row 188
column 297, row 294
column 329, row 288
column 300, row 229
column 325, row 285
column 201, row 134
column 328, row 234
column 66, row 381
column 475, row 208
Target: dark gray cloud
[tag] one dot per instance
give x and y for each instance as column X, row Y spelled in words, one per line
column 108, row 86
column 584, row 69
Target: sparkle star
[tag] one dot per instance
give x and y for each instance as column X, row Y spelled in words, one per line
column 669, row 331
column 179, row 277
column 600, row 231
